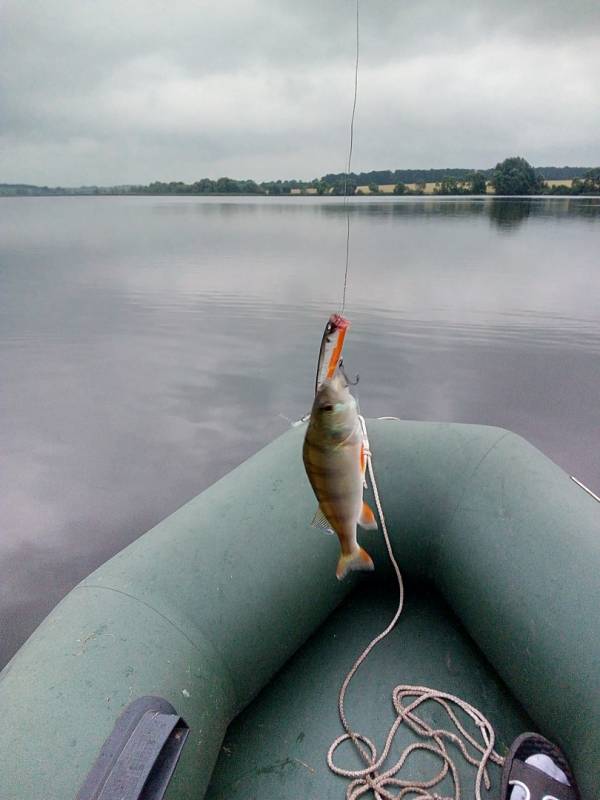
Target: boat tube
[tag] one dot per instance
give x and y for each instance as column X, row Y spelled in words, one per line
column 227, row 605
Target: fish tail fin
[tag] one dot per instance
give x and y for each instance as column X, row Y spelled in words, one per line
column 357, row 559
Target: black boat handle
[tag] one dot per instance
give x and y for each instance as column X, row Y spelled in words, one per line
column 139, row 757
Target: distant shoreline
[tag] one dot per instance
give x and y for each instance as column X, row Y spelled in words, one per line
column 447, row 181
column 379, row 196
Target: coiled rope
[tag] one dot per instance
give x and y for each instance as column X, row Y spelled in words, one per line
column 381, row 780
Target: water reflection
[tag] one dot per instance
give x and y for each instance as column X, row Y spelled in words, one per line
column 509, row 214
column 148, row 345
column 505, row 212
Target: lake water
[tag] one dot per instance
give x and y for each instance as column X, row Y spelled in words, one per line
column 148, row 345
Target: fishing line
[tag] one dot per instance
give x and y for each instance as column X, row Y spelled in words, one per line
column 374, row 778
column 349, row 162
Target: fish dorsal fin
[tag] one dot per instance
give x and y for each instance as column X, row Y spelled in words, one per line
column 367, row 518
column 320, row 521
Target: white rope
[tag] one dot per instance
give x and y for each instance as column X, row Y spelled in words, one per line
column 406, row 700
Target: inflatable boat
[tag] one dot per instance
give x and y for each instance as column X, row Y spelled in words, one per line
column 205, row 659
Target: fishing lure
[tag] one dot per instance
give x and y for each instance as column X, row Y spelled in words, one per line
column 330, row 352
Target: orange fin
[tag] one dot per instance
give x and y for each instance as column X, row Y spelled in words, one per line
column 367, row 518
column 358, row 559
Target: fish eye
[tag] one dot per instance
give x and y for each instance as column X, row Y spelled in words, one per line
column 327, row 408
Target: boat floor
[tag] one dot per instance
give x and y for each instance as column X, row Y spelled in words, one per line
column 276, row 748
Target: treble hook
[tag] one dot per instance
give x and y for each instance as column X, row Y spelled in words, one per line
column 346, row 378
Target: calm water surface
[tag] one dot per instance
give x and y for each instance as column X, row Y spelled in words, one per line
column 148, row 345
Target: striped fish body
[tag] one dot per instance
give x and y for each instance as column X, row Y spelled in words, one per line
column 334, row 461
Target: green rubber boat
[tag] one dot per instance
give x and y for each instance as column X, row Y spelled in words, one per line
column 228, row 618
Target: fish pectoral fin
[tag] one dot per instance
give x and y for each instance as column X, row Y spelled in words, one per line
column 320, row 521
column 367, row 518
column 358, row 559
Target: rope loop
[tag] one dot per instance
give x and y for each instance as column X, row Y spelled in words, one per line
column 406, row 700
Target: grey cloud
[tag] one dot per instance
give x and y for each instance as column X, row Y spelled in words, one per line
column 111, row 92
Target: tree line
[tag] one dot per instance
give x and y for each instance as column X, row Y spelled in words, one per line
column 513, row 176
column 471, row 183
column 516, row 176
column 510, row 177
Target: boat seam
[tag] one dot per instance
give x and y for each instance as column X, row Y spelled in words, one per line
column 217, row 654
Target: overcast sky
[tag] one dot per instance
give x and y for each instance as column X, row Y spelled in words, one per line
column 107, row 91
